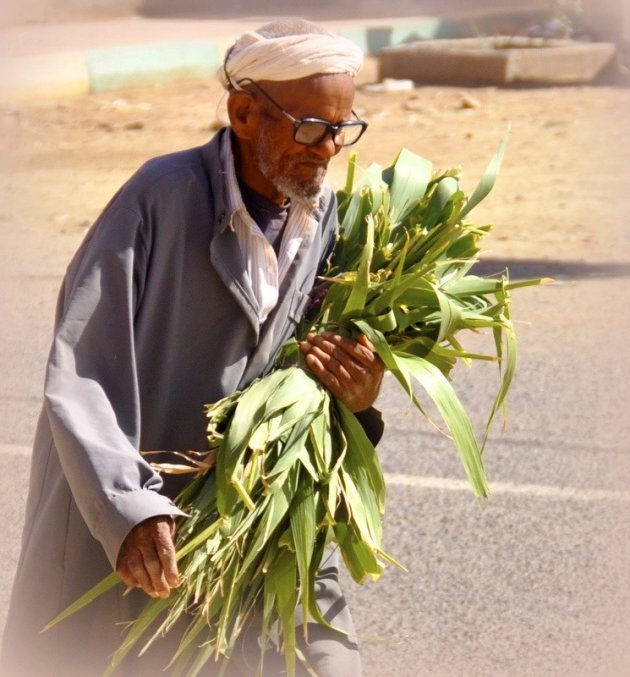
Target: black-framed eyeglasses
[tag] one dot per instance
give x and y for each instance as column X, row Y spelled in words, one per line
column 312, row 131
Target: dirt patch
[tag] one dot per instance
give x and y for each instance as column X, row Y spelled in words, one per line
column 562, row 192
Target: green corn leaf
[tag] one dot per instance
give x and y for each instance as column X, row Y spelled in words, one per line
column 361, row 457
column 365, row 200
column 202, row 655
column 303, row 529
column 321, row 442
column 472, row 285
column 93, row 593
column 383, row 323
column 358, row 295
column 189, row 645
column 247, row 414
column 454, row 415
column 242, row 492
column 282, row 579
column 438, row 208
column 358, row 557
column 362, row 511
column 136, row 630
column 422, row 293
column 388, row 298
column 352, row 167
column 314, row 611
column 386, row 354
column 488, row 179
column 269, row 595
column 282, row 498
column 451, row 316
column 407, row 179
column 507, row 364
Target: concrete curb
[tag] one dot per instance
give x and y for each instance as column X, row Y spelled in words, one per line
column 51, row 75
column 71, row 73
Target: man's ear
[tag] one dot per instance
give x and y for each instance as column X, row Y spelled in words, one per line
column 243, row 113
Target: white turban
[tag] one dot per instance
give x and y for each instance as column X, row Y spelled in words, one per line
column 290, row 57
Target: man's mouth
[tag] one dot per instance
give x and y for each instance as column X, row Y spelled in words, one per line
column 314, row 166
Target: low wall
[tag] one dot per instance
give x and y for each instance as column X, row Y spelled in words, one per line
column 18, row 12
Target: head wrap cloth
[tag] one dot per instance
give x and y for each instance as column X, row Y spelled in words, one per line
column 289, row 57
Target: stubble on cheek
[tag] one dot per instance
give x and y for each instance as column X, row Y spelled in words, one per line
column 298, row 176
column 306, row 173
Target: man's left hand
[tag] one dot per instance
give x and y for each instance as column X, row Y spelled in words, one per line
column 350, row 369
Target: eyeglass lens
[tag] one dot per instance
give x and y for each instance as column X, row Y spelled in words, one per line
column 312, row 132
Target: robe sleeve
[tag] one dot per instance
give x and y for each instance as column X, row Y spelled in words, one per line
column 91, row 389
column 371, row 421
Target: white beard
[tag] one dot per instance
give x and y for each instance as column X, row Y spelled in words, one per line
column 284, row 182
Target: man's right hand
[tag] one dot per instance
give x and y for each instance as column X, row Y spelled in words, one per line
column 147, row 557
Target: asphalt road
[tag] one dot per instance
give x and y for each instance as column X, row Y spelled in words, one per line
column 535, row 580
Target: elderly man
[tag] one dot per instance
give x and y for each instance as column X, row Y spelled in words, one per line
column 182, row 292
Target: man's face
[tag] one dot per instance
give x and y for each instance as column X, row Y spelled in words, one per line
column 295, row 170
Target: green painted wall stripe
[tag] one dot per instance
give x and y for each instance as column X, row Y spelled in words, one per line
column 372, row 39
column 117, row 67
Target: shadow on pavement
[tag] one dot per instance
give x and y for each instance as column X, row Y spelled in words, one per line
column 520, row 269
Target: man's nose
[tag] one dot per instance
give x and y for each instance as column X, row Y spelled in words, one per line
column 327, row 147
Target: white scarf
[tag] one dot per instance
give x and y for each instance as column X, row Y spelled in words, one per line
column 265, row 271
column 289, row 58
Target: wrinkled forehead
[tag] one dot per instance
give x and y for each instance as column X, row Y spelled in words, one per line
column 328, row 97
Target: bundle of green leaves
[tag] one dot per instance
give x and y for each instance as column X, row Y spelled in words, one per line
column 295, row 473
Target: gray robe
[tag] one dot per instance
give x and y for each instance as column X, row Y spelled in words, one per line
column 155, row 319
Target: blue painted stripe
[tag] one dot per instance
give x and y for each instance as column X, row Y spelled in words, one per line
column 128, row 65
column 373, row 39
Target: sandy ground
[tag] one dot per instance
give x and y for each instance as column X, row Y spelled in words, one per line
column 561, row 193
